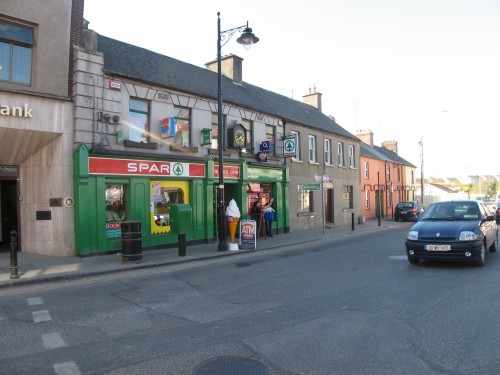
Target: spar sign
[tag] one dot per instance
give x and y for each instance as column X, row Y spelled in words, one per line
column 289, row 146
column 130, row 167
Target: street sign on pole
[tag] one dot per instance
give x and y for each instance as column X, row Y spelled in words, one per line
column 309, row 187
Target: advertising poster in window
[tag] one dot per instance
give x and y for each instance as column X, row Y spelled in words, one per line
column 162, row 195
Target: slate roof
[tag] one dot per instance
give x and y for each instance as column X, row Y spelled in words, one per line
column 136, row 63
column 382, row 153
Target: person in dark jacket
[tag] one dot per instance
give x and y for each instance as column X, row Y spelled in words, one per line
column 268, row 210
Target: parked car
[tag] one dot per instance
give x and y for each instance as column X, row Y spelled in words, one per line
column 406, row 210
column 497, row 212
column 453, row 230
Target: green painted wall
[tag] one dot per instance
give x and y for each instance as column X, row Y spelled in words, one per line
column 90, row 203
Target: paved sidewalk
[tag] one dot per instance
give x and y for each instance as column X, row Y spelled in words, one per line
column 35, row 268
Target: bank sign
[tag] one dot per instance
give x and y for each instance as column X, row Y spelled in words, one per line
column 129, row 167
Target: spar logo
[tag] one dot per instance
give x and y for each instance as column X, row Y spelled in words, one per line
column 178, row 169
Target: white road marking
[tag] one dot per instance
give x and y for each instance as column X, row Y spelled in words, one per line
column 35, row 301
column 53, row 340
column 67, row 368
column 41, row 316
column 398, row 257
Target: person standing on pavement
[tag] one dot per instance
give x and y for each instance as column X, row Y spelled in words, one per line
column 256, row 210
column 268, row 210
column 420, row 208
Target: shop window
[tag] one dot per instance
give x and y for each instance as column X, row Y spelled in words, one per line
column 340, row 152
column 348, row 197
column 248, row 125
column 215, row 131
column 271, row 137
column 182, row 126
column 305, row 201
column 352, row 157
column 312, row 148
column 163, row 195
column 16, row 46
column 328, row 151
column 115, row 210
column 138, row 114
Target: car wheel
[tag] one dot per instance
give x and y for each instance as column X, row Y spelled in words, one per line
column 413, row 260
column 480, row 262
column 493, row 246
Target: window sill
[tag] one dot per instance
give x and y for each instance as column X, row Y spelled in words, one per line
column 175, row 147
column 305, row 214
column 313, row 163
column 297, row 161
column 129, row 143
column 214, row 151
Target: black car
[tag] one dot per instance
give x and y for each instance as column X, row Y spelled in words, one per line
column 453, row 230
column 406, row 210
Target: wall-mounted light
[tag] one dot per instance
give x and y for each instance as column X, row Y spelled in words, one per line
column 116, row 118
column 107, row 117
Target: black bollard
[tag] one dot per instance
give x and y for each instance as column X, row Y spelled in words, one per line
column 182, row 245
column 13, row 255
column 352, row 220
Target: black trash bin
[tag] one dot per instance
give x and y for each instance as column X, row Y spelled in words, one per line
column 131, row 241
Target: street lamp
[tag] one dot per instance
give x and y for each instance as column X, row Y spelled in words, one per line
column 247, row 39
column 379, row 208
column 421, row 143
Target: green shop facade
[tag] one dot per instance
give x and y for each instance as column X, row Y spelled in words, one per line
column 111, row 188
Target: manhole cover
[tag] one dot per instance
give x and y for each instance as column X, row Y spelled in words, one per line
column 231, row 365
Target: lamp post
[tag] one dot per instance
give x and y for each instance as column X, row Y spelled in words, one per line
column 247, row 39
column 378, row 201
column 421, row 143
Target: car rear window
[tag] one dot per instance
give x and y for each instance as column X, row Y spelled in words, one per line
column 405, row 205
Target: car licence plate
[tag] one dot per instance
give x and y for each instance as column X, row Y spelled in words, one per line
column 438, row 247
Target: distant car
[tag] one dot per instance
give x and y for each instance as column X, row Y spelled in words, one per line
column 497, row 212
column 453, row 230
column 406, row 210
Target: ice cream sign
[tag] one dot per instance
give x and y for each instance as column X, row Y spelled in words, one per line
column 109, row 166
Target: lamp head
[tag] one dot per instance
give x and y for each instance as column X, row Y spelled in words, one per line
column 247, row 38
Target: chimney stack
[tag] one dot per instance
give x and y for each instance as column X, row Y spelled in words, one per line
column 231, row 65
column 391, row 145
column 365, row 136
column 313, row 98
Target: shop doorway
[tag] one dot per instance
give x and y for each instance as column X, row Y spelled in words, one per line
column 8, row 205
column 329, row 205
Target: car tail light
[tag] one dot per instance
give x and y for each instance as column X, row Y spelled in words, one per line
column 414, row 210
column 497, row 211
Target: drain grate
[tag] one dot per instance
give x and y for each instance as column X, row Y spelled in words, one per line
column 231, row 365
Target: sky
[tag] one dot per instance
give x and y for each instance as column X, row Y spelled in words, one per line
column 424, row 73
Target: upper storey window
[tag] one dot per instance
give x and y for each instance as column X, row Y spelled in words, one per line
column 16, row 45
